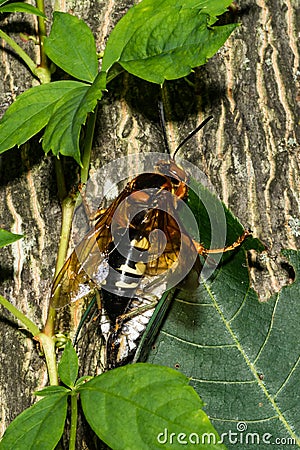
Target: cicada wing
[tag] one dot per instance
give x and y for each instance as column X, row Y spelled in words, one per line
column 70, row 286
column 87, row 267
column 83, row 271
column 176, row 242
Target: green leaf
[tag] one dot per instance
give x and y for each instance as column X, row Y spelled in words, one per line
column 71, row 46
column 214, row 218
column 31, row 112
column 83, row 380
column 3, row 1
column 6, row 237
column 163, row 39
column 52, row 390
column 22, row 7
column 63, row 130
column 242, row 355
column 147, row 403
column 38, row 427
column 68, row 366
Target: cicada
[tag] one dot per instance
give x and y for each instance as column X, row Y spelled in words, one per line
column 132, row 256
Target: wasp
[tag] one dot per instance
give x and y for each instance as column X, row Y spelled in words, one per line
column 130, row 256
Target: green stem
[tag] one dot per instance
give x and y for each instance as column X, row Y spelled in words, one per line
column 32, row 327
column 74, row 413
column 87, row 146
column 48, row 344
column 60, row 180
column 68, row 206
column 165, row 100
column 43, row 70
column 20, row 52
column 42, row 33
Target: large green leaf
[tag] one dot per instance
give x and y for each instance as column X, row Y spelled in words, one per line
column 63, row 130
column 163, row 39
column 38, row 427
column 72, row 47
column 31, row 112
column 242, row 356
column 138, row 406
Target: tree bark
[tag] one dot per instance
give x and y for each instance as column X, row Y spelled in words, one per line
column 249, row 152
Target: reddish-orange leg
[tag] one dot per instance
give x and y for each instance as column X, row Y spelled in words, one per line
column 203, row 251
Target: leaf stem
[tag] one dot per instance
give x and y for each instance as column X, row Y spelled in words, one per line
column 31, row 326
column 87, row 146
column 20, row 52
column 47, row 342
column 74, row 413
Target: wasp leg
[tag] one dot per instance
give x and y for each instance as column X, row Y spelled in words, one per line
column 203, row 251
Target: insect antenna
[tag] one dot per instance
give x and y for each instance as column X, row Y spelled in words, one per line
column 189, row 136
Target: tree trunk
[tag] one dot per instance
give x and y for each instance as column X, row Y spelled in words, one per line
column 249, row 152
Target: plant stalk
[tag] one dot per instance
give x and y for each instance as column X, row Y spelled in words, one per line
column 68, row 205
column 87, row 146
column 73, row 429
column 20, row 52
column 42, row 33
column 60, row 180
column 48, row 344
column 31, row 326
column 43, row 70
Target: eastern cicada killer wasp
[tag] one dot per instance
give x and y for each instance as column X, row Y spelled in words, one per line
column 137, row 250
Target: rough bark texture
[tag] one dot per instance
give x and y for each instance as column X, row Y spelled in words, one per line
column 249, row 152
